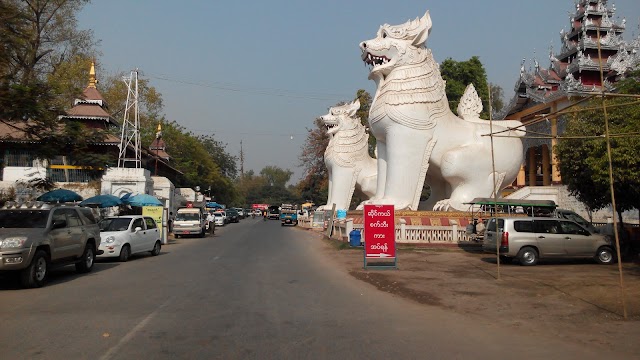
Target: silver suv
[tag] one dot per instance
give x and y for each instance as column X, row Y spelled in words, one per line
column 36, row 237
column 531, row 238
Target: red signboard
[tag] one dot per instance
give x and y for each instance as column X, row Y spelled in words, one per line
column 379, row 232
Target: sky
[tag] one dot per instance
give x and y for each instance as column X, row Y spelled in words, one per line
column 260, row 71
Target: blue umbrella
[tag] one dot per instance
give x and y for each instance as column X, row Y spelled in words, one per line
column 102, row 201
column 142, row 200
column 59, row 195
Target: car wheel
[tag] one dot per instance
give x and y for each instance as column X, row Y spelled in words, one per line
column 88, row 258
column 528, row 256
column 605, row 256
column 156, row 249
column 36, row 274
column 125, row 253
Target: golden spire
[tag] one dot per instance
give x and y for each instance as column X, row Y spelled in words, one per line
column 92, row 75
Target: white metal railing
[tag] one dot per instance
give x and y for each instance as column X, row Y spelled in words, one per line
column 412, row 234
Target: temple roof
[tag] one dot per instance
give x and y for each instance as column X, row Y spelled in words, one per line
column 92, row 105
column 576, row 70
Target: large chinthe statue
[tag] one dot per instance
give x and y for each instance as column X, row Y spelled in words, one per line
column 347, row 156
column 419, row 137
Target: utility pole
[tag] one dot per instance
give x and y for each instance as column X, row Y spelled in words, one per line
column 241, row 160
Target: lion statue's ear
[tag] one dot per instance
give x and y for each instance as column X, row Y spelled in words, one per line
column 425, row 30
column 354, row 107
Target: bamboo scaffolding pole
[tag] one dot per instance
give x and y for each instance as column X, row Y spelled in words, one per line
column 613, row 196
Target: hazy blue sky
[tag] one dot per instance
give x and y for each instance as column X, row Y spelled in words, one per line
column 262, row 71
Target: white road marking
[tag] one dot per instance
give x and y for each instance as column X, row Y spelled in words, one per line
column 134, row 331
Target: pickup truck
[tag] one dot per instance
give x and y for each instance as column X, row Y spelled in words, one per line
column 288, row 217
column 36, row 237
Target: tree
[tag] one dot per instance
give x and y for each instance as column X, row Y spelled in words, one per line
column 47, row 35
column 496, row 98
column 584, row 164
column 216, row 149
column 276, row 176
column 459, row 75
column 36, row 38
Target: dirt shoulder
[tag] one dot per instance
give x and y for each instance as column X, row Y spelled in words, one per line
column 576, row 300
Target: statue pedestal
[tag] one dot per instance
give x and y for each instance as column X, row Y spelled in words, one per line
column 119, row 181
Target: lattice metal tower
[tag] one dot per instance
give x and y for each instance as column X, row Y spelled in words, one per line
column 130, row 138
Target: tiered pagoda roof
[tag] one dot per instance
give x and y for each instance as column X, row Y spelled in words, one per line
column 91, row 109
column 576, row 69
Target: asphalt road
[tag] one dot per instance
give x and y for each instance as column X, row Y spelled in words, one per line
column 255, row 290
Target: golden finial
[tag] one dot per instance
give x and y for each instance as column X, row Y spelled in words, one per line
column 92, row 75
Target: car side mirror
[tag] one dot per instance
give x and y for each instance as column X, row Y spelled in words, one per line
column 137, row 229
column 59, row 224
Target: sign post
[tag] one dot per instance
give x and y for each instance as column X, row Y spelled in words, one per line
column 156, row 212
column 380, row 236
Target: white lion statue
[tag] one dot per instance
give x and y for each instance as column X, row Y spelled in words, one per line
column 347, row 156
column 419, row 137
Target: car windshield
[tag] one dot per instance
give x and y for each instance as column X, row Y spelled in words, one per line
column 115, row 224
column 217, row 215
column 187, row 217
column 23, row 218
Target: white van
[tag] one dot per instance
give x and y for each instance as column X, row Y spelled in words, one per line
column 189, row 221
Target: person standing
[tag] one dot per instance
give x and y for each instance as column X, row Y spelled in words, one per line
column 212, row 223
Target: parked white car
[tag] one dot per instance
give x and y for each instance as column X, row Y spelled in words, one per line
column 219, row 219
column 123, row 236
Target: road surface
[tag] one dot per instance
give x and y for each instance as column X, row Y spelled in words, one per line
column 255, row 290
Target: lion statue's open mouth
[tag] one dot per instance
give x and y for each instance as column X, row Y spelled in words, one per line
column 374, row 60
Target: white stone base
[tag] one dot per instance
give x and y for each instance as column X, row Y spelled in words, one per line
column 119, row 181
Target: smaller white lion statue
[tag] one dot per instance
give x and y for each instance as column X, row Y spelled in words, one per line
column 347, row 157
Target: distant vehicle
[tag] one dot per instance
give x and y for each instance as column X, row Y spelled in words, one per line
column 241, row 213
column 189, row 221
column 232, row 215
column 273, row 213
column 218, row 219
column 288, row 215
column 531, row 238
column 124, row 236
column 35, row 237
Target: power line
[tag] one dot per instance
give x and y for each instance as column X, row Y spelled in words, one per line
column 258, row 91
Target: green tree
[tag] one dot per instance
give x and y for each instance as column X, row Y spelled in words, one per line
column 458, row 75
column 276, row 176
column 584, row 164
column 37, row 38
column 497, row 95
column 217, row 150
column 46, row 34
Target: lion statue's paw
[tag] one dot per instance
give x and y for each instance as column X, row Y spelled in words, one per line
column 442, row 205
